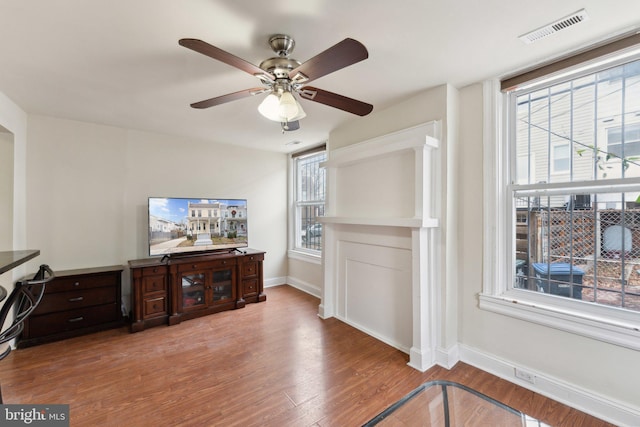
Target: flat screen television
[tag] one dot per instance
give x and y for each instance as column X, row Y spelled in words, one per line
column 182, row 225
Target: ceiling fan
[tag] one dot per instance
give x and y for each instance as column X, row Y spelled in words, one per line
column 283, row 76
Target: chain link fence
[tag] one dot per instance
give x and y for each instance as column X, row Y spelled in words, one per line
column 589, row 254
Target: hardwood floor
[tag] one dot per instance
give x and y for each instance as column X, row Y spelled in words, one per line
column 268, row 364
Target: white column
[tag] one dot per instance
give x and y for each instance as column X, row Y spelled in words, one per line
column 327, row 306
column 422, row 354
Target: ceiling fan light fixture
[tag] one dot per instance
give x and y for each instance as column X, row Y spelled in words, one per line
column 284, row 108
column 270, row 107
column 288, row 107
column 301, row 114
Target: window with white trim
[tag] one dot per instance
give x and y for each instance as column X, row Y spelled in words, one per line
column 624, row 143
column 309, row 194
column 568, row 246
column 560, row 157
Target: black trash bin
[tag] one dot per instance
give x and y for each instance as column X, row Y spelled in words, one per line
column 559, row 278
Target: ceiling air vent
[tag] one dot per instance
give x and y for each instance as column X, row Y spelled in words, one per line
column 561, row 24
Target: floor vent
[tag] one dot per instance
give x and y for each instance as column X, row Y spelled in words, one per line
column 554, row 27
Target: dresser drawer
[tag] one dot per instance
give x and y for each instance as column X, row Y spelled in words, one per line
column 253, row 257
column 61, row 301
column 206, row 265
column 154, row 284
column 249, row 269
column 53, row 323
column 154, row 307
column 153, row 271
column 62, row 284
column 249, row 287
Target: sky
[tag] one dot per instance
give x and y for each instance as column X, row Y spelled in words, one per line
column 175, row 209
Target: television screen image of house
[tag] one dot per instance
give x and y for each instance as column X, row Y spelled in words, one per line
column 183, row 225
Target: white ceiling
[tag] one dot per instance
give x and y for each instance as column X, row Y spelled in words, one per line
column 118, row 62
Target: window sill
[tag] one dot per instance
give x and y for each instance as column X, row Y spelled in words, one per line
column 314, row 258
column 607, row 324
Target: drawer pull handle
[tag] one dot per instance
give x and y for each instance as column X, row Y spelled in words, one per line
column 76, row 319
column 194, row 266
column 76, row 284
column 76, row 299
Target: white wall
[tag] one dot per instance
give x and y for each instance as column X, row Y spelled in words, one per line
column 75, row 192
column 391, row 176
column 13, row 123
column 88, row 185
column 423, row 107
column 305, row 275
column 577, row 363
column 6, row 199
column 6, row 190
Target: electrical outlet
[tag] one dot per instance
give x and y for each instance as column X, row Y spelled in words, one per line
column 526, row 376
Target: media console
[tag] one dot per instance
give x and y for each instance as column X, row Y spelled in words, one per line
column 171, row 289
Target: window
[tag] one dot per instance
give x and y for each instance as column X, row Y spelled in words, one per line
column 621, row 144
column 580, row 244
column 567, row 248
column 309, row 196
column 560, row 157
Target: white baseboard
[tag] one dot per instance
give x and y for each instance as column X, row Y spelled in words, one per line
column 420, row 360
column 387, row 340
column 448, row 357
column 587, row 401
column 275, row 281
column 304, row 286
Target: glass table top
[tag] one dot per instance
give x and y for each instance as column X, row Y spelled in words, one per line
column 445, row 403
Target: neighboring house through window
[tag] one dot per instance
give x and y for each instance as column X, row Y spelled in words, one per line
column 571, row 231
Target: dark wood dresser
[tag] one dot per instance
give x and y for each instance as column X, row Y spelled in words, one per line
column 75, row 303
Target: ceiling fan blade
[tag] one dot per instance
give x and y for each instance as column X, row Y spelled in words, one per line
column 343, row 54
column 228, row 97
column 334, row 100
column 223, row 56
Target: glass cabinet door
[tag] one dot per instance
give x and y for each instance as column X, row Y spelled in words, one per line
column 223, row 290
column 193, row 289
